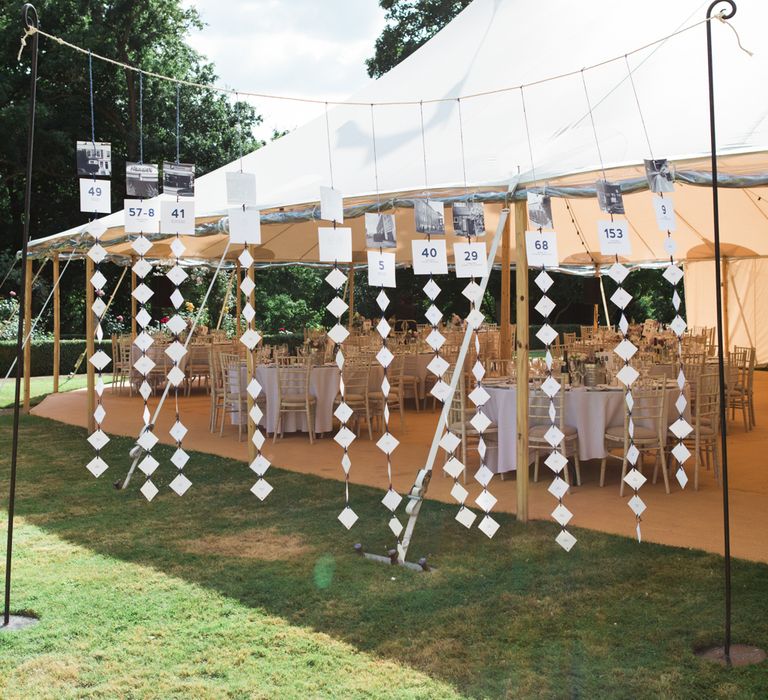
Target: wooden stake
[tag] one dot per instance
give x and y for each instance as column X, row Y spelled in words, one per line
column 351, row 288
column 27, row 337
column 56, row 325
column 521, row 303
column 90, row 344
column 251, row 360
column 134, row 303
column 505, row 340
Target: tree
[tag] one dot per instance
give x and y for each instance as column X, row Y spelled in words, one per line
column 410, row 23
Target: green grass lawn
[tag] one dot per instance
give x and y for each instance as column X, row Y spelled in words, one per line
column 40, row 387
column 216, row 595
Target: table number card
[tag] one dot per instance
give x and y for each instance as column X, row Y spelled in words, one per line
column 178, row 217
column 241, row 188
column 335, row 244
column 664, row 208
column 331, row 205
column 381, row 269
column 95, row 196
column 429, row 257
column 470, row 259
column 141, row 216
column 614, row 237
column 541, row 248
column 244, row 225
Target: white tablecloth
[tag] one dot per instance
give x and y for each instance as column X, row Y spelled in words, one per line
column 323, row 385
column 590, row 412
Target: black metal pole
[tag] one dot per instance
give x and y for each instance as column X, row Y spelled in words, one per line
column 29, row 16
column 725, row 14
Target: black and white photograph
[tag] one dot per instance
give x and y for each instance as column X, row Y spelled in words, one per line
column 94, row 159
column 540, row 210
column 141, row 180
column 469, row 219
column 380, row 231
column 609, row 197
column 659, row 175
column 430, row 216
column 179, row 179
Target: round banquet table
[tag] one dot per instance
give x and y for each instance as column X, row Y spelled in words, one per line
column 590, row 411
column 323, row 385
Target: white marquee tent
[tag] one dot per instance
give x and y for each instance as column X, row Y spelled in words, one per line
column 499, row 44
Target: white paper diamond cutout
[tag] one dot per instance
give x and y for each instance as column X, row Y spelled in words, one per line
column 176, row 324
column 180, row 484
column 637, row 505
column 440, row 390
column 433, row 315
column 680, row 452
column 480, row 422
column 438, row 366
column 247, row 286
column 142, row 293
column 387, row 443
column 178, row 431
column 627, row 375
column 245, row 258
column 483, row 475
column 143, row 341
column 566, row 540
column 145, row 390
column 343, row 412
column 179, row 458
column 177, row 275
column 680, row 428
column 338, row 334
column 344, row 437
column 149, row 490
column 562, row 515
column 176, row 351
column 546, row 334
column 479, row 396
column 347, row 517
column 475, row 318
column 678, row 326
column 466, row 517
column 486, row 500
column 97, row 253
column 260, row 465
column 543, row 281
column 144, row 365
column 623, row 324
column 382, row 300
column 98, row 280
column 336, row 278
column 431, row 289
column 142, row 268
column 141, row 245
column 99, row 414
column 97, row 466
column 550, row 386
column 681, row 403
column 176, row 376
column 621, row 298
column 633, row 454
column 100, row 360
column 396, row 526
column 558, row 488
column 250, row 338
column 556, row 461
column 634, row 479
column 545, row 306
column 453, row 467
column 473, row 292
column 177, row 247
column 98, row 439
column 459, row 493
column 625, row 350
column 385, row 356
column 258, row 439
column 143, row 318
column 673, row 274
column 435, row 339
column 248, row 312
column 261, row 489
column 337, row 306
column 676, row 300
column 618, row 273
column 478, row 370
column 682, row 477
column 488, row 526
column 148, row 465
column 177, row 299
column 392, row 500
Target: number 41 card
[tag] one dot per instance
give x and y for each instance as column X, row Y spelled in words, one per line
column 541, row 248
column 178, row 217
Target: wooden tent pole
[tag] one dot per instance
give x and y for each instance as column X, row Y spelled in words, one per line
column 726, row 327
column 56, row 324
column 521, row 303
column 251, row 359
column 90, row 344
column 134, row 304
column 351, row 289
column 505, row 341
column 27, row 336
column 238, row 302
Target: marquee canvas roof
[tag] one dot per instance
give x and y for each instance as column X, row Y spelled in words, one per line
column 495, row 44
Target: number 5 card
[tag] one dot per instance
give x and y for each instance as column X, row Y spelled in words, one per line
column 381, row 269
column 614, row 237
column 541, row 248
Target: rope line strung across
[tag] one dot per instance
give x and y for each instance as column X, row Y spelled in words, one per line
column 262, row 95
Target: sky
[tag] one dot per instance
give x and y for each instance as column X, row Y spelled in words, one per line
column 307, row 48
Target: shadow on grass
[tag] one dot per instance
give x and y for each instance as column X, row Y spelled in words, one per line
column 511, row 616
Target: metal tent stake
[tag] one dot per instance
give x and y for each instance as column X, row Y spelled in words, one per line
column 30, row 19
